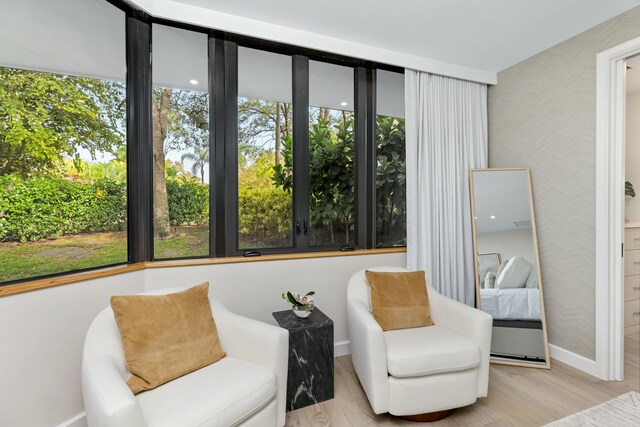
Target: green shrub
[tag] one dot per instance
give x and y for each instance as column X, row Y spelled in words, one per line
column 188, row 202
column 264, row 215
column 37, row 208
column 46, row 207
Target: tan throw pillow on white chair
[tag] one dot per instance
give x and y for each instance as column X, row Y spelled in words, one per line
column 166, row 336
column 399, row 300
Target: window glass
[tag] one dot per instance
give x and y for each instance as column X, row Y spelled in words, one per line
column 331, row 155
column 180, row 115
column 391, row 225
column 63, row 169
column 265, row 131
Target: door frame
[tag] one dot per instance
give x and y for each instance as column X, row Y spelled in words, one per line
column 610, row 144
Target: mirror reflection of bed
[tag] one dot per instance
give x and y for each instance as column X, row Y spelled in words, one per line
column 507, row 265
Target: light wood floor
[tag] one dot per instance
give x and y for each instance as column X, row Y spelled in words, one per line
column 517, row 396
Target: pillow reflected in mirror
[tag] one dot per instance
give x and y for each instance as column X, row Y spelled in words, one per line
column 532, row 280
column 489, row 281
column 515, row 274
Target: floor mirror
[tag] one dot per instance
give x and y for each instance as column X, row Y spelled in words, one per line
column 507, row 265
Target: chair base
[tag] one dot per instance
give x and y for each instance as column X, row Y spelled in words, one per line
column 428, row 417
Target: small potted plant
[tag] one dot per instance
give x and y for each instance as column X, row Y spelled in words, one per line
column 629, row 194
column 628, row 189
column 302, row 305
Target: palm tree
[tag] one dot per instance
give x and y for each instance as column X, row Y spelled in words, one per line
column 200, row 158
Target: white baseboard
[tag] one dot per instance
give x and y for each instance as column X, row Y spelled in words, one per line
column 79, row 420
column 574, row 360
column 341, row 348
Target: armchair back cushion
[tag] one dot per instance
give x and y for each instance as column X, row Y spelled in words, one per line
column 399, row 300
column 166, row 336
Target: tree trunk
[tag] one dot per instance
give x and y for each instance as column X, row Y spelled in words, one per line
column 333, row 239
column 390, row 224
column 12, row 157
column 278, row 135
column 346, row 234
column 287, row 124
column 202, row 172
column 161, row 228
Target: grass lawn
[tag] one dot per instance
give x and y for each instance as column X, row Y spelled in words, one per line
column 80, row 251
column 188, row 242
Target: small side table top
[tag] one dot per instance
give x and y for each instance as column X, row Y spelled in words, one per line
column 289, row 321
column 310, row 374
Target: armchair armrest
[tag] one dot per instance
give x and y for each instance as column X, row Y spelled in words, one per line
column 468, row 322
column 108, row 400
column 369, row 355
column 258, row 342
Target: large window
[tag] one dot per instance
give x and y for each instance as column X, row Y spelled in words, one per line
column 391, row 202
column 180, row 117
column 265, row 138
column 331, row 155
column 63, row 173
column 124, row 138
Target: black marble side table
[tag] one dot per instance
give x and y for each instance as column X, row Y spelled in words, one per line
column 310, row 377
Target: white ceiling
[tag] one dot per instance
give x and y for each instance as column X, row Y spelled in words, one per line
column 633, row 74
column 63, row 36
column 180, row 58
column 503, row 195
column 489, row 35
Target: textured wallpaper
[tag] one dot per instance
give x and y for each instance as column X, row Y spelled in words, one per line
column 542, row 115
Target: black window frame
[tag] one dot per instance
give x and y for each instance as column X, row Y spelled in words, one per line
column 223, row 144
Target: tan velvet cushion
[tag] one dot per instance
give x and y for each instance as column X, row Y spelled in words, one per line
column 399, row 300
column 166, row 336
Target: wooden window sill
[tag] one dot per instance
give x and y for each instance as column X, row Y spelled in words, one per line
column 112, row 271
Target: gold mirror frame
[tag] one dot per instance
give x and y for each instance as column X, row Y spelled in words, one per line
column 534, row 230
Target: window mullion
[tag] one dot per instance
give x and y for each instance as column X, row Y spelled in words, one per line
column 217, row 144
column 365, row 157
column 230, row 172
column 139, row 141
column 301, row 152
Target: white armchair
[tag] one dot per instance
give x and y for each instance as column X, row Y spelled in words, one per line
column 410, row 372
column 246, row 388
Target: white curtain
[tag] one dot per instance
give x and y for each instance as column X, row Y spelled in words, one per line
column 446, row 135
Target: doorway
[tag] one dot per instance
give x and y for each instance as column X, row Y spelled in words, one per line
column 610, row 207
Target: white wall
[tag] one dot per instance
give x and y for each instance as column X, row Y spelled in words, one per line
column 509, row 243
column 43, row 331
column 254, row 289
column 41, row 340
column 632, row 156
column 542, row 115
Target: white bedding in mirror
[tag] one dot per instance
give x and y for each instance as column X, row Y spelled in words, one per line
column 513, row 304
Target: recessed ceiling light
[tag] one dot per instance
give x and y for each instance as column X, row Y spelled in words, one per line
column 343, row 103
column 492, row 217
column 193, row 81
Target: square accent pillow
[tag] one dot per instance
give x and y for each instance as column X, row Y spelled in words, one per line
column 515, row 274
column 399, row 300
column 166, row 336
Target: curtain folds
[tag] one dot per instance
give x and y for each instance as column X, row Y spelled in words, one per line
column 446, row 135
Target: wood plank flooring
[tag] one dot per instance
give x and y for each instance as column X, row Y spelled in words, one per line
column 517, row 396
